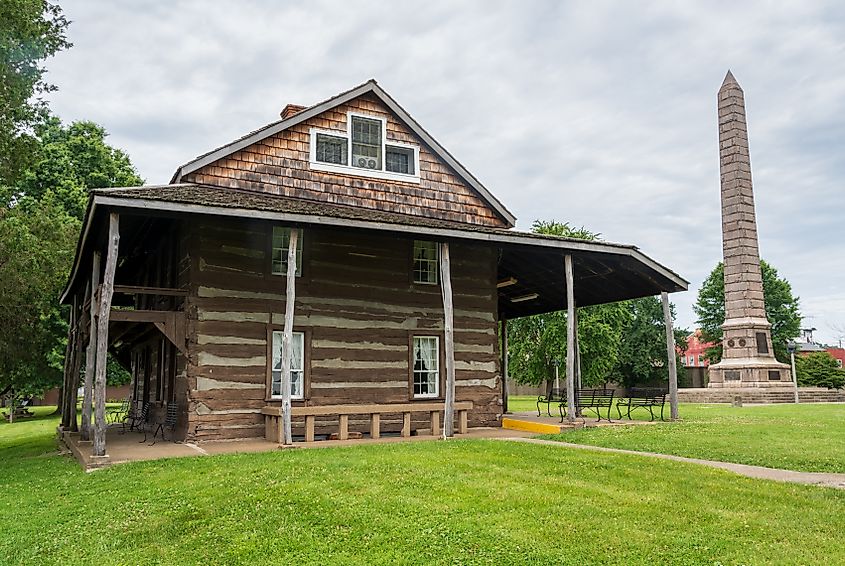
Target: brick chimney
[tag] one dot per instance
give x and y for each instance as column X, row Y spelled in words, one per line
column 290, row 110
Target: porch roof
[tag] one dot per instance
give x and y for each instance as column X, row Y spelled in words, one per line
column 529, row 263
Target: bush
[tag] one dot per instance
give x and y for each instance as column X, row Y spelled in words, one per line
column 819, row 369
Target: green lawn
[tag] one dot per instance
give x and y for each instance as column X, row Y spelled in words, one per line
column 412, row 503
column 808, row 437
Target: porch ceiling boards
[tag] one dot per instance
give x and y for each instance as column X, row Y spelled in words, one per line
column 603, row 272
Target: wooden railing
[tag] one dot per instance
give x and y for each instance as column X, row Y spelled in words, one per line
column 273, row 418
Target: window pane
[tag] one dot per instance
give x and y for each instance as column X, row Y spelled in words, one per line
column 399, row 160
column 366, row 143
column 297, row 374
column 426, row 362
column 279, row 252
column 425, row 262
column 331, row 149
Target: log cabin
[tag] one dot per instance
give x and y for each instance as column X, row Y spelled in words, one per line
column 336, row 271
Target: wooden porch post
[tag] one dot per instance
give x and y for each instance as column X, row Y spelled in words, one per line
column 77, row 362
column 106, row 292
column 63, row 400
column 287, row 340
column 91, row 351
column 448, row 321
column 578, row 384
column 504, row 365
column 670, row 357
column 570, row 340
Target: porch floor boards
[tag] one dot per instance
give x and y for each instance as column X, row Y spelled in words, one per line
column 128, row 447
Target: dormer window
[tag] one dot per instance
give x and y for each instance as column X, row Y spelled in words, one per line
column 331, row 149
column 366, row 143
column 364, row 150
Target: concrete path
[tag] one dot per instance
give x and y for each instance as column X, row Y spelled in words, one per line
column 759, row 472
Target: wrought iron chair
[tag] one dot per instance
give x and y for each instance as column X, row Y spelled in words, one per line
column 168, row 422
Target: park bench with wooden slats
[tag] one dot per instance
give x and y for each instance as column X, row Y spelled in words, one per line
column 553, row 395
column 592, row 399
column 273, row 417
column 642, row 398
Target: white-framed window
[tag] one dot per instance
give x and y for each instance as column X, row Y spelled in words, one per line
column 279, row 251
column 425, row 262
column 331, row 149
column 363, row 149
column 297, row 363
column 426, row 366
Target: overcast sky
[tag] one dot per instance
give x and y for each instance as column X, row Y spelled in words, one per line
column 601, row 114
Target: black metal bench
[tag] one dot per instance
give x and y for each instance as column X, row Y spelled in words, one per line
column 118, row 414
column 136, row 418
column 642, row 398
column 553, row 395
column 592, row 399
column 168, row 422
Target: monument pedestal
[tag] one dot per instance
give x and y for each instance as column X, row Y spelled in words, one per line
column 747, row 358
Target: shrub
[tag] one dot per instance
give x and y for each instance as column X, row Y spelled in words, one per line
column 819, row 369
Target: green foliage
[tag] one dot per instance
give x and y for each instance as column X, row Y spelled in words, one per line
column 40, row 219
column 72, row 159
column 30, row 32
column 819, row 369
column 642, row 347
column 781, row 310
column 37, row 240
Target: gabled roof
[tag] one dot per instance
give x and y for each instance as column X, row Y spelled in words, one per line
column 369, row 87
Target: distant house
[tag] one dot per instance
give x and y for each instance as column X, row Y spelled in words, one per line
column 695, row 355
column 406, row 269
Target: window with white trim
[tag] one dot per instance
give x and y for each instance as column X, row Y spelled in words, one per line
column 297, row 373
column 425, row 262
column 364, row 150
column 331, row 149
column 279, row 251
column 426, row 366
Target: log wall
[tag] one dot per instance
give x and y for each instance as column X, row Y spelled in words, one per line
column 280, row 165
column 358, row 307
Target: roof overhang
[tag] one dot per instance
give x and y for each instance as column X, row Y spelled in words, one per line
column 604, row 272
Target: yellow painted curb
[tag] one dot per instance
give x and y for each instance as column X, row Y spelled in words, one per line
column 530, row 426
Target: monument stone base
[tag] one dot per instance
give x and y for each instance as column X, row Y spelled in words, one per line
column 750, row 372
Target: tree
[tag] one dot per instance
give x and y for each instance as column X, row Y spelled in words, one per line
column 535, row 342
column 30, row 32
column 37, row 240
column 819, row 369
column 39, row 226
column 780, row 304
column 71, row 160
column 642, row 348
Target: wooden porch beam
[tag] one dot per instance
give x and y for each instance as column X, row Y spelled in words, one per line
column 287, row 341
column 106, row 290
column 671, row 357
column 91, row 351
column 570, row 339
column 448, row 334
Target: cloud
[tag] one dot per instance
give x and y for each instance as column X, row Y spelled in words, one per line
column 600, row 114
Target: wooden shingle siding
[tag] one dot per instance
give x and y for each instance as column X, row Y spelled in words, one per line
column 358, row 312
column 280, row 165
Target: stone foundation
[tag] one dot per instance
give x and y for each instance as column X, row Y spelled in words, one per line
column 751, row 395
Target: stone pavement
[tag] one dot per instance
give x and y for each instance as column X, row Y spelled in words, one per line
column 759, row 472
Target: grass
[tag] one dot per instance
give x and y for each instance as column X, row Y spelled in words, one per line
column 808, row 437
column 459, row 502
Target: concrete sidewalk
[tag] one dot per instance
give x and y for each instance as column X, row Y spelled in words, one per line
column 810, row 478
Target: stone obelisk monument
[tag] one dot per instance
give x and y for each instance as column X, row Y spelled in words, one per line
column 747, row 356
